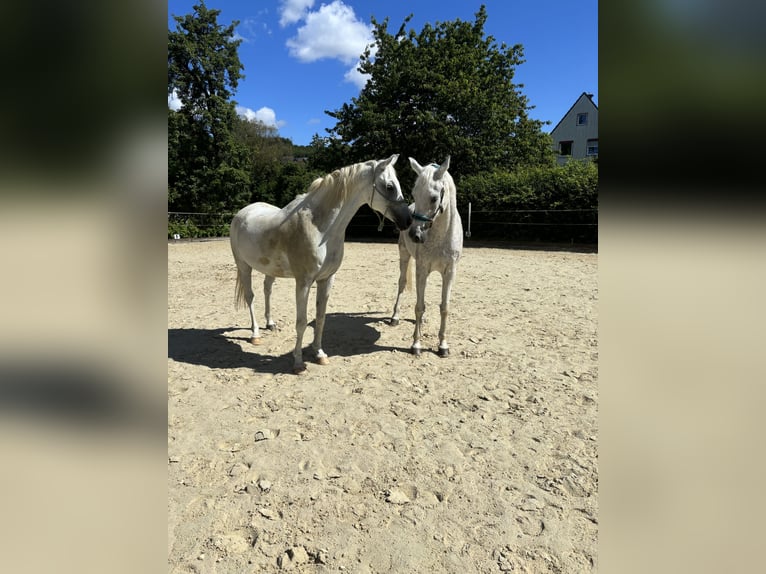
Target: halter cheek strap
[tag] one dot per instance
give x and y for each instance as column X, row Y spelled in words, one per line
column 423, row 216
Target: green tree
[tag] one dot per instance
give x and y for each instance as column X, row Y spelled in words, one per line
column 445, row 90
column 277, row 173
column 207, row 165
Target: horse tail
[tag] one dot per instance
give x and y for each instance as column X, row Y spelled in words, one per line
column 240, row 293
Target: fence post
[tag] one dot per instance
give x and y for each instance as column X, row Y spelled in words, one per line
column 468, row 233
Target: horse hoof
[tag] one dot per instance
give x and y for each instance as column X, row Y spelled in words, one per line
column 443, row 352
column 299, row 370
column 271, row 326
column 323, row 361
column 394, row 322
column 256, row 340
column 415, row 351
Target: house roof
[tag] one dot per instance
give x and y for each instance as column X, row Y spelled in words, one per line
column 583, row 95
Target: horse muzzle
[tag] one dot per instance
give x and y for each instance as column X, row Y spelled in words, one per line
column 400, row 215
column 417, row 233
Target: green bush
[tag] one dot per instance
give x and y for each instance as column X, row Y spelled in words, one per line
column 549, row 204
column 571, row 186
column 188, row 228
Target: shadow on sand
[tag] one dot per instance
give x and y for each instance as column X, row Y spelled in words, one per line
column 345, row 335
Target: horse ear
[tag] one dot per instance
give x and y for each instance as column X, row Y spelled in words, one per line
column 415, row 165
column 392, row 159
column 442, row 169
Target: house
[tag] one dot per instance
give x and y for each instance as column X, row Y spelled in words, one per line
column 576, row 134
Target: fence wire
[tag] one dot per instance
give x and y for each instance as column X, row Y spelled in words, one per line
column 555, row 225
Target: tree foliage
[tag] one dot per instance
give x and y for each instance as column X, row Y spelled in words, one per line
column 445, row 90
column 206, row 163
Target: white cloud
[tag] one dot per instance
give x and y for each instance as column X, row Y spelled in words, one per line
column 332, row 32
column 265, row 115
column 355, row 77
column 292, row 11
column 174, row 103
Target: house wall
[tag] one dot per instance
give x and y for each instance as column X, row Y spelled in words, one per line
column 567, row 129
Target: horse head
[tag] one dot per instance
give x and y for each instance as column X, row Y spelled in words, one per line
column 429, row 194
column 387, row 195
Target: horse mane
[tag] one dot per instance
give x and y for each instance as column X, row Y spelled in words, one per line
column 338, row 182
column 451, row 187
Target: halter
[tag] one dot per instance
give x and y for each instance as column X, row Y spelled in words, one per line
column 427, row 218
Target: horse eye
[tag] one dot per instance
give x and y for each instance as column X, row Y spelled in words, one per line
column 433, row 199
column 389, row 186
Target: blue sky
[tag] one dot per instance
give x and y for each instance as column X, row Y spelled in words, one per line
column 299, row 55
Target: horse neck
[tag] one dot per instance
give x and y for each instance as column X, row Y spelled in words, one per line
column 334, row 209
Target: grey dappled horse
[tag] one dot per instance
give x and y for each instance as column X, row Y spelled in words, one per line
column 305, row 239
column 434, row 241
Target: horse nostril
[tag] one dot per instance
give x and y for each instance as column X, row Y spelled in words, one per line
column 416, row 235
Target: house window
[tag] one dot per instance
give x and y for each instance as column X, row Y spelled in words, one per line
column 582, row 119
column 565, row 148
column 592, row 147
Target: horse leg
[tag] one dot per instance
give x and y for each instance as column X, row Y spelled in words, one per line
column 268, row 283
column 323, row 294
column 421, row 277
column 448, row 277
column 404, row 270
column 301, row 303
column 245, row 296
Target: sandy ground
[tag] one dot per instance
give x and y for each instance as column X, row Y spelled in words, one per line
column 485, row 461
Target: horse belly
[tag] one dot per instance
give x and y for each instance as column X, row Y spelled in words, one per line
column 268, row 255
column 259, row 241
column 274, row 266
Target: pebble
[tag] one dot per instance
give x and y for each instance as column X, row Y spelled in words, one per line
column 298, row 555
column 293, row 556
column 264, row 485
column 321, row 557
column 284, row 561
column 264, row 434
column 396, row 496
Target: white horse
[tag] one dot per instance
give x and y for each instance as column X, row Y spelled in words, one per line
column 434, row 240
column 305, row 238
